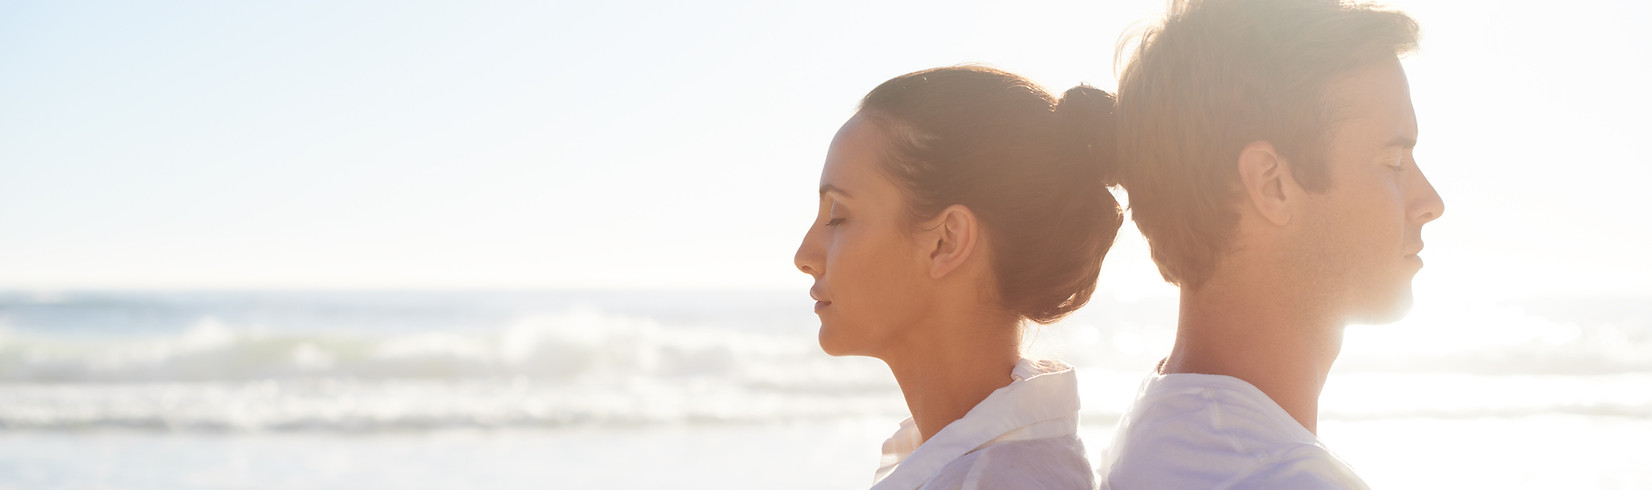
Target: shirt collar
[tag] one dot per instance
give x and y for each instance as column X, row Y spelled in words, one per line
column 1041, row 401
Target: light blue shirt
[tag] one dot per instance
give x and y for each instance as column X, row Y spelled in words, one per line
column 1203, row 431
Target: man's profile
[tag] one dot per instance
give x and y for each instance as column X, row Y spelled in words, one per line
column 1267, row 149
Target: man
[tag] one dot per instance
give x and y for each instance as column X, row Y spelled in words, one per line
column 1266, row 149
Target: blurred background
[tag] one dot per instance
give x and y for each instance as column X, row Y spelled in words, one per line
column 512, row 244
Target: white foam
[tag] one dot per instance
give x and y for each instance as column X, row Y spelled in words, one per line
column 584, row 366
column 567, row 347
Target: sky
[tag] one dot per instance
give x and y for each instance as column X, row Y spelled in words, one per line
column 632, row 145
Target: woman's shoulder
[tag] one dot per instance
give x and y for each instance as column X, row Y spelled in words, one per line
column 1055, row 463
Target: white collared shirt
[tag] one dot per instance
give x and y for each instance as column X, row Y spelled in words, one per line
column 1210, row 431
column 1024, row 435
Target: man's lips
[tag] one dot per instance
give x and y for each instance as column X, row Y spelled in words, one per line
column 1415, row 249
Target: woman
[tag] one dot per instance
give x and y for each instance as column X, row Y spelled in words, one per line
column 955, row 205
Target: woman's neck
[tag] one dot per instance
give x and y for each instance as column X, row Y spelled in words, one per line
column 963, row 363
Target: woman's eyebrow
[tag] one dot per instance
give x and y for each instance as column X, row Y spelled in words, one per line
column 825, row 188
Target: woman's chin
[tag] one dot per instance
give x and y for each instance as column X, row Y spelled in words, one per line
column 826, row 344
column 833, row 344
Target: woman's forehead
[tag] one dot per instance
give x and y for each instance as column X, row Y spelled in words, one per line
column 851, row 168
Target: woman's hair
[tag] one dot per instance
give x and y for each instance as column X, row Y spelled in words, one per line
column 1033, row 169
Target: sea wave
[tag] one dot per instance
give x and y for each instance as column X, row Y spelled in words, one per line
column 216, row 364
column 356, row 405
column 588, row 344
column 569, row 346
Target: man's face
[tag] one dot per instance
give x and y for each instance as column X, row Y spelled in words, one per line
column 1362, row 234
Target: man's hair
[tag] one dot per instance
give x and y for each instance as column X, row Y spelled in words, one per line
column 1216, row 76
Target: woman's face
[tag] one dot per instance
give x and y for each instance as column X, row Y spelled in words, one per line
column 869, row 269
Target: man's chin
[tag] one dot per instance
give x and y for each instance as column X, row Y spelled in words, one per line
column 1385, row 310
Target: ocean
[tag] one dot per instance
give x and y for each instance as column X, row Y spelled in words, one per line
column 646, row 389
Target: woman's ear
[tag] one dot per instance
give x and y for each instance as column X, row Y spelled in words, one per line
column 951, row 238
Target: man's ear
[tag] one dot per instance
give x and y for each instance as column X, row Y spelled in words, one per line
column 951, row 238
column 1267, row 182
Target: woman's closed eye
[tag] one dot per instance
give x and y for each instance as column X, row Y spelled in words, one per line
column 832, row 218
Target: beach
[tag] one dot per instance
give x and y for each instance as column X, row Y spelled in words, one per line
column 717, row 390
column 1514, row 452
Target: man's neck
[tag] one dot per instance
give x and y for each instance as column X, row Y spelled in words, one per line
column 1262, row 335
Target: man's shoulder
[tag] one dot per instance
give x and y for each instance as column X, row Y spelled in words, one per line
column 1200, row 431
column 1191, row 459
column 1224, row 409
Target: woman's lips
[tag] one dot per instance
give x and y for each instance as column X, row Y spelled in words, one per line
column 819, row 303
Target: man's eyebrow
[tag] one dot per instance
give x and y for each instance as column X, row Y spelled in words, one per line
column 832, row 188
column 1402, row 142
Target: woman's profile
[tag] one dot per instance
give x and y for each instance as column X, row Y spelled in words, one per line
column 957, row 205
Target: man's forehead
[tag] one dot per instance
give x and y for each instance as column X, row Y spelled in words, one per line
column 1374, row 100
